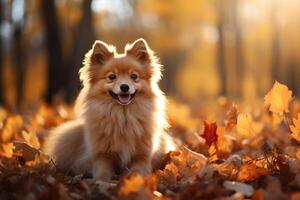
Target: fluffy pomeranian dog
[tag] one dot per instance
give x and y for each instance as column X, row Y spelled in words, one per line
column 120, row 115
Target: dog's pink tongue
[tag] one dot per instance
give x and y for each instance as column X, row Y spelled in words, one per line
column 124, row 98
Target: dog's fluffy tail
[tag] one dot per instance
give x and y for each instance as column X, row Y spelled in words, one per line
column 65, row 145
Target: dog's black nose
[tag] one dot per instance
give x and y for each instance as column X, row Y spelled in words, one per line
column 124, row 88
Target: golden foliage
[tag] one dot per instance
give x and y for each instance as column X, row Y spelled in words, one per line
column 278, row 98
column 213, row 166
column 180, row 116
column 246, row 127
column 12, row 127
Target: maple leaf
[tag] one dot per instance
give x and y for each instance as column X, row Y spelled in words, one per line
column 246, row 127
column 278, row 98
column 296, row 128
column 210, row 132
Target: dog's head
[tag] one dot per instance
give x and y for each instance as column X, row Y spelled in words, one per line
column 121, row 77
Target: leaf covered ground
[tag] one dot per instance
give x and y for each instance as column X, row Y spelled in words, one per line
column 226, row 151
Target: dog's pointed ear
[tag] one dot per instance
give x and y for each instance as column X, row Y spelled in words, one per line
column 140, row 50
column 101, row 52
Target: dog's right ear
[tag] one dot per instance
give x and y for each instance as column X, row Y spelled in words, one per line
column 101, row 52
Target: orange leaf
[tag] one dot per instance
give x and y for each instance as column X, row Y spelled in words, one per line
column 224, row 143
column 278, row 98
column 210, row 133
column 172, row 168
column 298, row 153
column 250, row 172
column 132, row 184
column 247, row 172
column 296, row 128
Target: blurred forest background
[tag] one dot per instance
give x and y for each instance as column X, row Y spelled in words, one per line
column 209, row 48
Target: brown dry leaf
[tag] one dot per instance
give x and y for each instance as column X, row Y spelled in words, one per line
column 173, row 169
column 278, row 98
column 132, row 184
column 250, row 172
column 165, row 178
column 247, row 172
column 31, row 139
column 232, row 115
column 246, row 127
column 298, row 153
column 187, row 163
column 296, row 128
column 29, row 153
column 24, row 150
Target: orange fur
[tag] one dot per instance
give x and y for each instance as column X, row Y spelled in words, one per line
column 106, row 135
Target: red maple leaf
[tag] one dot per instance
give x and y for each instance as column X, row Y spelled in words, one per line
column 210, row 132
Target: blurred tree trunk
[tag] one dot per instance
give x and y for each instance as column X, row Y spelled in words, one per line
column 19, row 57
column 83, row 40
column 19, row 61
column 292, row 71
column 54, row 48
column 172, row 61
column 1, row 56
column 221, row 48
column 239, row 49
column 275, row 62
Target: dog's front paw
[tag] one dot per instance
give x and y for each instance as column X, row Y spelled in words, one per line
column 141, row 168
column 102, row 171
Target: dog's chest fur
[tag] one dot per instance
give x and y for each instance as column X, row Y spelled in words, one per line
column 118, row 130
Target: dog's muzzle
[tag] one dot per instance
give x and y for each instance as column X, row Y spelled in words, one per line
column 123, row 98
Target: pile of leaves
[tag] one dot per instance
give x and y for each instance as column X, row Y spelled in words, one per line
column 231, row 152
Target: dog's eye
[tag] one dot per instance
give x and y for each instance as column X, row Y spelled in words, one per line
column 111, row 77
column 134, row 77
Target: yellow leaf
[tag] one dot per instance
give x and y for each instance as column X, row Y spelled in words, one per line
column 246, row 127
column 296, row 128
column 132, row 184
column 6, row 150
column 278, row 98
column 31, row 139
column 12, row 128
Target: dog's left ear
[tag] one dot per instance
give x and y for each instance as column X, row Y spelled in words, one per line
column 140, row 50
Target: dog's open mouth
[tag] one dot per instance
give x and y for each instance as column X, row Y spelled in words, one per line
column 123, row 98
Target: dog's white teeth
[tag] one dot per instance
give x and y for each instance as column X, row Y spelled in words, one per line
column 124, row 99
